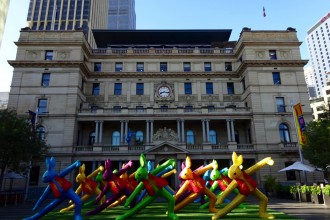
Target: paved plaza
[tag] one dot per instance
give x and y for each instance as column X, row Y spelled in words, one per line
column 304, row 210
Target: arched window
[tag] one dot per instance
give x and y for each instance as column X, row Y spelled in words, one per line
column 213, row 137
column 41, row 132
column 284, row 133
column 190, row 137
column 139, row 137
column 91, row 138
column 115, row 138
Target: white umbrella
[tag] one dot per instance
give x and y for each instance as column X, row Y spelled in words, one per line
column 299, row 166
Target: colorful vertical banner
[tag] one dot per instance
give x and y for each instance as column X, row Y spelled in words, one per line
column 300, row 122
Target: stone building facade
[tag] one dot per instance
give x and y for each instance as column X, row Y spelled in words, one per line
column 167, row 94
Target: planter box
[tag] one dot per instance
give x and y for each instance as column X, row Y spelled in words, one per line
column 326, row 200
column 317, row 199
column 306, row 197
column 295, row 196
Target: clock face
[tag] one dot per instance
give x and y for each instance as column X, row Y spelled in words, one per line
column 164, row 91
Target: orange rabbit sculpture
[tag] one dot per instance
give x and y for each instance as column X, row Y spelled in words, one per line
column 245, row 185
column 87, row 185
column 196, row 184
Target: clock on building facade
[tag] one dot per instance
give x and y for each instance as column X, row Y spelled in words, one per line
column 164, row 91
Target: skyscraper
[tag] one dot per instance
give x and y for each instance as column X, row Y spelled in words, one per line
column 121, row 14
column 318, row 41
column 68, row 15
column 4, row 4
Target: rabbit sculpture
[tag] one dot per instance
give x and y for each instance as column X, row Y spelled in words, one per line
column 192, row 181
column 245, row 185
column 87, row 186
column 166, row 172
column 219, row 179
column 61, row 189
column 118, row 186
column 154, row 186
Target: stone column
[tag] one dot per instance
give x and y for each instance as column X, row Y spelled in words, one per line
column 121, row 132
column 182, row 131
column 228, row 130
column 203, row 128
column 96, row 132
column 101, row 132
column 147, row 131
column 207, row 130
column 126, row 131
column 178, row 129
column 232, row 131
column 151, row 131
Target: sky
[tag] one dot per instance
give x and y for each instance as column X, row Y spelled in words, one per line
column 190, row 14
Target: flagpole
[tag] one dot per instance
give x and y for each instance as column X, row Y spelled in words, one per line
column 298, row 141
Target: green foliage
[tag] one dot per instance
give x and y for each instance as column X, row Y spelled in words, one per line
column 270, row 184
column 18, row 142
column 316, row 190
column 293, row 189
column 316, row 149
column 326, row 190
column 304, row 189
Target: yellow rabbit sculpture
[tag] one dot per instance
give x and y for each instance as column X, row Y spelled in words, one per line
column 246, row 186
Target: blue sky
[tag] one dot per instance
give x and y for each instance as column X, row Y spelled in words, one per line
column 191, row 14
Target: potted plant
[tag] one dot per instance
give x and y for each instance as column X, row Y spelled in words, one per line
column 316, row 194
column 305, row 193
column 295, row 192
column 270, row 185
column 326, row 195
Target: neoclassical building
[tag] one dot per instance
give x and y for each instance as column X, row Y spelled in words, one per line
column 164, row 93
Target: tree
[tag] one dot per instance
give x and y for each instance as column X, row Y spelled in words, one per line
column 18, row 142
column 317, row 147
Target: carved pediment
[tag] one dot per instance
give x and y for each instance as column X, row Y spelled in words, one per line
column 166, row 148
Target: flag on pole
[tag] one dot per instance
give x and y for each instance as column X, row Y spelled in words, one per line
column 300, row 122
column 264, row 11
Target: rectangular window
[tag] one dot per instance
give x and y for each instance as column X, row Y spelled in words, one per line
column 228, row 66
column 188, row 108
column 187, row 88
column 117, row 89
column 116, row 108
column 272, row 55
column 139, row 109
column 290, row 175
column 42, row 106
column 280, row 105
column 97, row 67
column 163, row 67
column 139, row 67
column 243, row 84
column 139, row 88
column 186, row 67
column 118, row 67
column 45, row 79
column 207, row 67
column 230, row 88
column 163, row 108
column 276, row 78
column 211, row 108
column 49, row 55
column 209, row 88
column 96, row 89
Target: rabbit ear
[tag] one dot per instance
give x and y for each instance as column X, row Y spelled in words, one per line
column 107, row 164
column 215, row 164
column 82, row 169
column 237, row 160
column 51, row 163
column 234, row 157
column 143, row 161
column 149, row 165
column 188, row 162
column 183, row 166
column 47, row 163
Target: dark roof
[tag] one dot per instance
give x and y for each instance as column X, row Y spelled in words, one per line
column 104, row 38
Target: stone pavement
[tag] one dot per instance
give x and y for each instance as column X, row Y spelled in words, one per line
column 304, row 210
